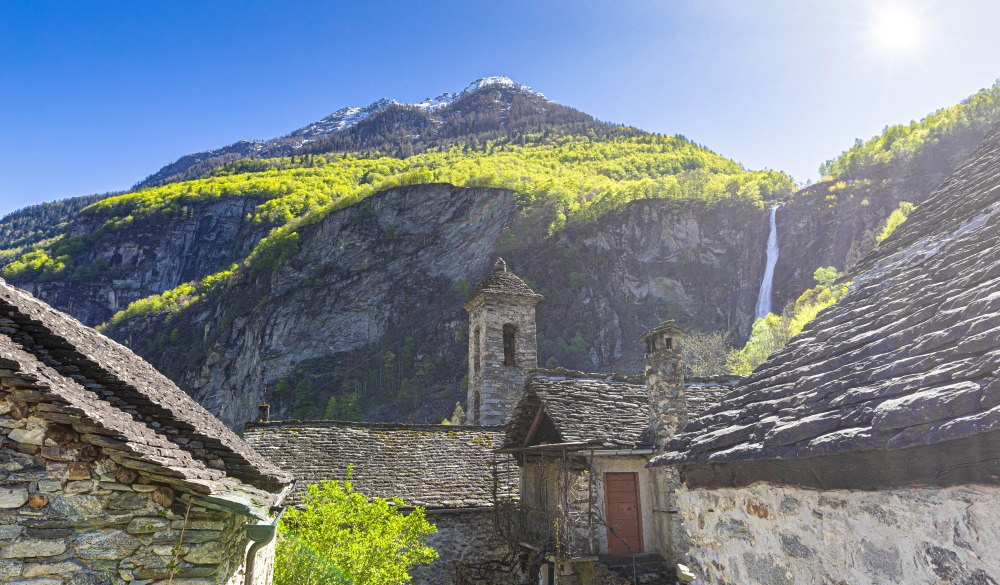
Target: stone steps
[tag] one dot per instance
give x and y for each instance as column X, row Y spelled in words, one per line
column 644, row 569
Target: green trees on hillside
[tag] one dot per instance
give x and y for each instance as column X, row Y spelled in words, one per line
column 567, row 179
column 772, row 332
column 903, row 149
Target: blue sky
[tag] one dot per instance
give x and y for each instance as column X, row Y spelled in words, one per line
column 96, row 96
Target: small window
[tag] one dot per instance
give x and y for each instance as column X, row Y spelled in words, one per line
column 477, row 358
column 669, row 343
column 509, row 346
column 475, row 408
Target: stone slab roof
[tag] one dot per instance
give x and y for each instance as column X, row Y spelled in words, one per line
column 503, row 282
column 434, row 466
column 121, row 403
column 607, row 411
column 700, row 394
column 908, row 358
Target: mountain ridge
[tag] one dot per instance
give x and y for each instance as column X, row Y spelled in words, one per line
column 354, row 128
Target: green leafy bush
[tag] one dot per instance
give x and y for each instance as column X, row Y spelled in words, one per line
column 773, row 332
column 342, row 537
column 895, row 219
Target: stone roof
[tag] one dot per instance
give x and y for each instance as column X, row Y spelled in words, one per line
column 122, row 404
column 700, row 394
column 503, row 282
column 907, row 359
column 606, row 411
column 434, row 466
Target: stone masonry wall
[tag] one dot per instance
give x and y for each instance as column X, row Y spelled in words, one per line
column 499, row 386
column 773, row 535
column 70, row 515
column 461, row 537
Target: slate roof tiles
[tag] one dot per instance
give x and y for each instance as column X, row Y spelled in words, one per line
column 434, row 466
column 82, row 378
column 908, row 357
column 607, row 411
column 503, row 282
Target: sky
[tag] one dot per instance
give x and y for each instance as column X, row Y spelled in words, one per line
column 95, row 96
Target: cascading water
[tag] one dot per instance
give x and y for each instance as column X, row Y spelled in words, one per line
column 764, row 298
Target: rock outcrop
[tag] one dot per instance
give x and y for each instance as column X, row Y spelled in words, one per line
column 151, row 255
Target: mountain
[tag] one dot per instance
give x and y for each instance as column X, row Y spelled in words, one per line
column 35, row 223
column 489, row 108
column 331, row 280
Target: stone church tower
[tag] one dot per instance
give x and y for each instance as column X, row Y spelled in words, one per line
column 502, row 344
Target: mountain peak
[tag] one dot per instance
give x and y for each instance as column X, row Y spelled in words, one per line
column 345, row 118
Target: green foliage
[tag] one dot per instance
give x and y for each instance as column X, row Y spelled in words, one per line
column 44, row 221
column 303, row 402
column 462, row 288
column 564, row 180
column 900, row 149
column 457, row 415
column 330, row 412
column 772, row 332
column 705, row 354
column 769, row 334
column 349, row 408
column 574, row 355
column 342, row 537
column 895, row 219
column 283, row 388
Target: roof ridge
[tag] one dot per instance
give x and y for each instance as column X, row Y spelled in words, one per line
column 37, row 331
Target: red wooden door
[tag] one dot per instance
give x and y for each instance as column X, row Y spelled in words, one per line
column 621, row 505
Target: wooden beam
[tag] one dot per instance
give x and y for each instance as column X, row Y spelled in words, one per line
column 534, row 425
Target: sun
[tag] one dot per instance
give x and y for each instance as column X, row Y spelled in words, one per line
column 897, row 29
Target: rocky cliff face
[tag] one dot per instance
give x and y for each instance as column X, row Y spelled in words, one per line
column 385, row 263
column 369, row 300
column 653, row 261
column 150, row 256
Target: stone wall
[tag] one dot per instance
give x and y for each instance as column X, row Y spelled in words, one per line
column 71, row 515
column 772, row 535
column 461, row 537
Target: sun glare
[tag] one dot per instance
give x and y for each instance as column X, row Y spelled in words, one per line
column 896, row 29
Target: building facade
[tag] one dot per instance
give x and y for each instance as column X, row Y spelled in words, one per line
column 111, row 474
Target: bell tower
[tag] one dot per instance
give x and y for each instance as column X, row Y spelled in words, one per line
column 502, row 344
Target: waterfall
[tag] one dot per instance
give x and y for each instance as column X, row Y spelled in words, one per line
column 764, row 298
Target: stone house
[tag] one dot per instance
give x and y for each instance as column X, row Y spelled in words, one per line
column 109, row 473
column 868, row 450
column 589, row 506
column 451, row 471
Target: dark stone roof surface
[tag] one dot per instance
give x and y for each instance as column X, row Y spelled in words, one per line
column 909, row 357
column 607, row 411
column 434, row 466
column 92, row 382
column 503, row 282
column 700, row 394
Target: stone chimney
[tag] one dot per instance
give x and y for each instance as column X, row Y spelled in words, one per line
column 665, row 381
column 263, row 412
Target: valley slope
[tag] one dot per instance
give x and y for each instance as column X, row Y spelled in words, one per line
column 332, row 280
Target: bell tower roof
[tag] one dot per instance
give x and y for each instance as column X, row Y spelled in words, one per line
column 503, row 282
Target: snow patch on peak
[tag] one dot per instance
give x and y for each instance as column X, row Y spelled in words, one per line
column 501, row 81
column 441, row 101
column 345, row 118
